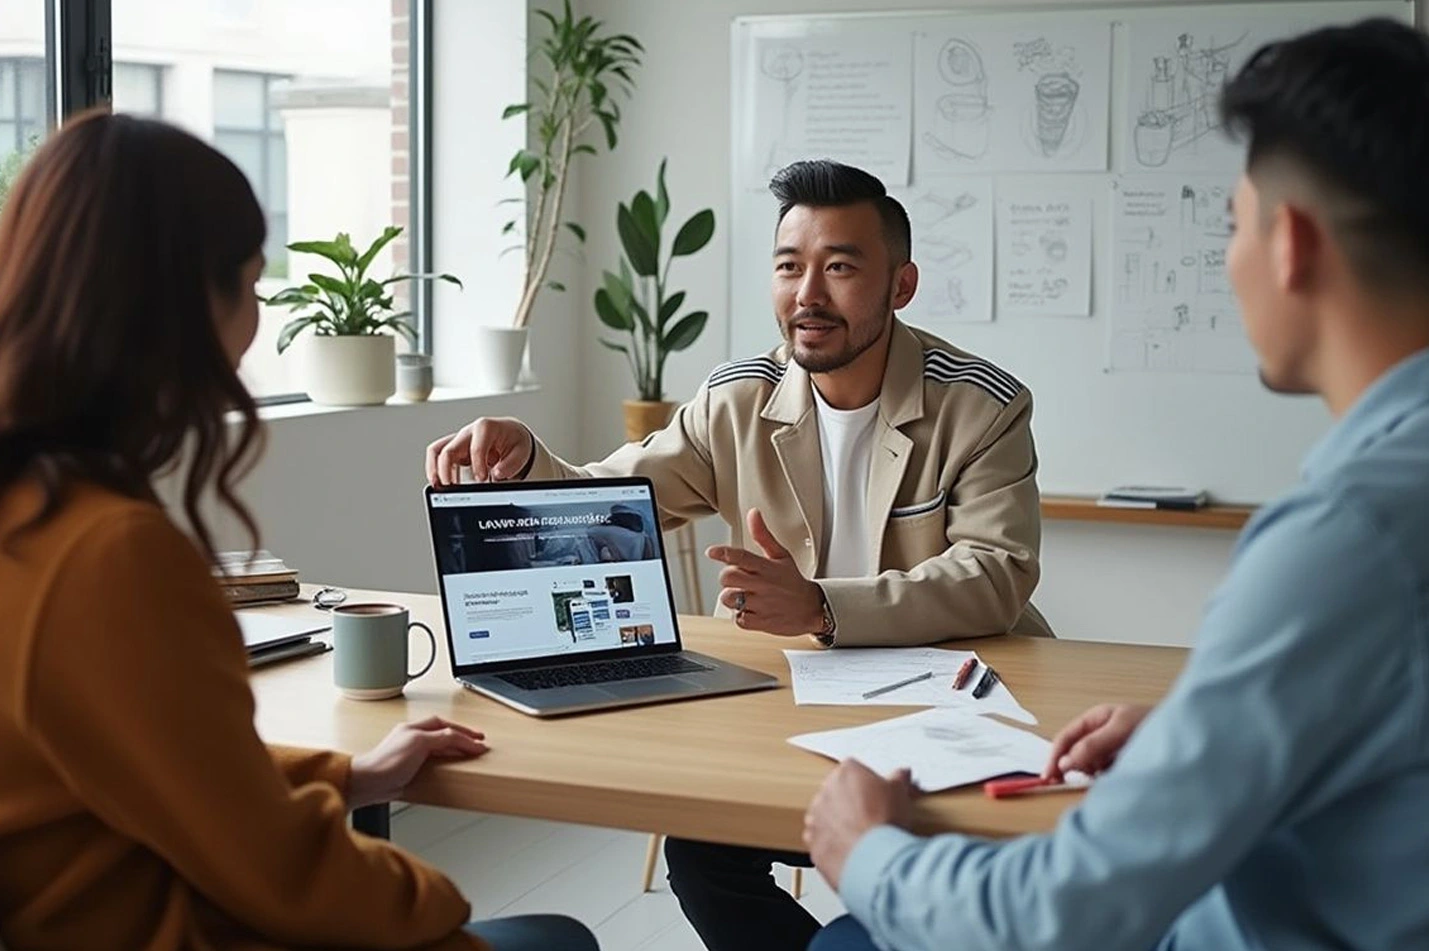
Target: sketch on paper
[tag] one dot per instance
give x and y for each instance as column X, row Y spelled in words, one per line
column 1054, row 120
column 781, row 65
column 961, row 123
column 952, row 242
column 1172, row 309
column 1044, row 259
column 1179, row 108
column 993, row 99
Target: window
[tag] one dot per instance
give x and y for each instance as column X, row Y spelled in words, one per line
column 309, row 99
column 249, row 131
column 139, row 89
column 22, row 103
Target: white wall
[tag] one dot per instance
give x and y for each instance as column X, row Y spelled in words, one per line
column 1106, row 583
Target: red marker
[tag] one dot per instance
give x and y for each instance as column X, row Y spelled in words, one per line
column 964, row 672
column 1004, row 788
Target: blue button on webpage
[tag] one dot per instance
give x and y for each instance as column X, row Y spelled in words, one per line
column 477, row 635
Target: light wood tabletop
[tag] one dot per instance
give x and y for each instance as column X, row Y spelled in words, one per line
column 717, row 769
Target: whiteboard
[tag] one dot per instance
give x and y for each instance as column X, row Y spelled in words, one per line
column 1095, row 427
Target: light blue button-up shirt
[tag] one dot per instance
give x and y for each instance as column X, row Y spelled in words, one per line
column 1278, row 798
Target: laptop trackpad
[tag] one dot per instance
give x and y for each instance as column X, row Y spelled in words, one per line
column 650, row 687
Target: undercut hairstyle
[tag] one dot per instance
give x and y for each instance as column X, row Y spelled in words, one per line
column 1344, row 110
column 827, row 184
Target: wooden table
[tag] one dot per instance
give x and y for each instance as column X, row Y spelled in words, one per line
column 717, row 769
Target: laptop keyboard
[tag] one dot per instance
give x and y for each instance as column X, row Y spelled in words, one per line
column 574, row 675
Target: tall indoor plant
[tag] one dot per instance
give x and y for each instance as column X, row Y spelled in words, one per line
column 350, row 360
column 580, row 68
column 638, row 300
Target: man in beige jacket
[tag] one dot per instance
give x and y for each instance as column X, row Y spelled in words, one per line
column 886, row 478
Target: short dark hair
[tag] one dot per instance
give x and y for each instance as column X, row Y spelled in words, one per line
column 824, row 183
column 1346, row 106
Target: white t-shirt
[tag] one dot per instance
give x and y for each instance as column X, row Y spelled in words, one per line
column 846, row 444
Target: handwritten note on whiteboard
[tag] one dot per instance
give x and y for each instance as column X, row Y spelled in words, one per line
column 1044, row 253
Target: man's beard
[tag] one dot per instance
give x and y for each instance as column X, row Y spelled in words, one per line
column 829, row 362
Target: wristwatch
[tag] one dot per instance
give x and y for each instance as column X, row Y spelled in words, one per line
column 825, row 636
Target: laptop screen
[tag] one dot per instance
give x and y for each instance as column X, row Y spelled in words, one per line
column 550, row 570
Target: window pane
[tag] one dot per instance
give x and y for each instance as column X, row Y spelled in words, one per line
column 309, row 98
column 237, row 100
column 136, row 89
column 23, row 96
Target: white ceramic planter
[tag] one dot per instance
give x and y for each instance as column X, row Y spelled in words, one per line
column 350, row 371
column 497, row 361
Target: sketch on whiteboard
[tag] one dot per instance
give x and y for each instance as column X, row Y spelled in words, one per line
column 782, row 65
column 961, row 127
column 1172, row 310
column 1178, row 109
column 952, row 236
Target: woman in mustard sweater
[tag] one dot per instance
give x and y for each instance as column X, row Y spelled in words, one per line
column 138, row 807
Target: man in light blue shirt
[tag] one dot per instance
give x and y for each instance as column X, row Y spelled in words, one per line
column 1279, row 796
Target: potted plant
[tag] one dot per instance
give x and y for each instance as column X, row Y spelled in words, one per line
column 350, row 359
column 581, row 65
column 639, row 302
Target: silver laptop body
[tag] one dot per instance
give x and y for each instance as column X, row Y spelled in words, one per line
column 557, row 598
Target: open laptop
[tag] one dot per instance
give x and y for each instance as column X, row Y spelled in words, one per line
column 557, row 598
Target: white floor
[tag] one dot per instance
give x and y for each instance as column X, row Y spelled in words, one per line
column 508, row 866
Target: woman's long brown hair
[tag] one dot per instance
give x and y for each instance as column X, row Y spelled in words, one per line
column 112, row 242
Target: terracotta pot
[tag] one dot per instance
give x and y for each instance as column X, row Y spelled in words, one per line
column 643, row 417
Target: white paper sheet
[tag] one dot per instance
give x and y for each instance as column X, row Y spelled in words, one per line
column 994, row 99
column 843, row 676
column 1177, row 67
column 943, row 747
column 1044, row 252
column 844, row 98
column 1171, row 304
column 952, row 243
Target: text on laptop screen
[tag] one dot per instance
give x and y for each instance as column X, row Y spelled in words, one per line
column 529, row 573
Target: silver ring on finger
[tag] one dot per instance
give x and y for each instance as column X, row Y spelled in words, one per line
column 739, row 602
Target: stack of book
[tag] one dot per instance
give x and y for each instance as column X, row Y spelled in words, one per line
column 255, row 577
column 1154, row 497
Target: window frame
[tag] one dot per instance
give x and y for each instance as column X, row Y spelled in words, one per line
column 79, row 56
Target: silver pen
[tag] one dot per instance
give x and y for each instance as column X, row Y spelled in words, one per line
column 880, row 691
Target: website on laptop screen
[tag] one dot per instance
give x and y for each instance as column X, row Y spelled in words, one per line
column 542, row 572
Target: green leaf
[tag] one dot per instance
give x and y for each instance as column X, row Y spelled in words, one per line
column 292, row 328
column 337, row 288
column 662, row 196
column 556, row 286
column 642, row 209
column 347, row 253
column 584, row 149
column 525, row 163
column 509, row 227
column 607, row 122
column 686, row 332
column 621, row 348
column 388, row 234
column 399, row 323
column 423, row 277
column 515, row 110
column 290, row 297
column 640, row 252
column 694, row 234
column 576, row 230
column 612, row 316
column 328, row 249
column 668, row 309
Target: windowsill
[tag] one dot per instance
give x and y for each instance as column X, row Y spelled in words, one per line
column 442, row 394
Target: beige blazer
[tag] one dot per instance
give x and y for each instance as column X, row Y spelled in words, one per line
column 953, row 501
